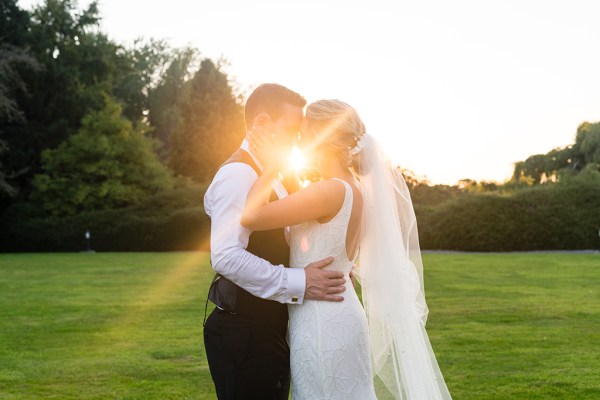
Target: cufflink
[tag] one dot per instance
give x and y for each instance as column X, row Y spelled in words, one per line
column 294, row 299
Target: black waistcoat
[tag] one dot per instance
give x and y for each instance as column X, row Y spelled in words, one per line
column 269, row 245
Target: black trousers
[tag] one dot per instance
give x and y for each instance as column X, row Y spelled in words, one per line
column 247, row 359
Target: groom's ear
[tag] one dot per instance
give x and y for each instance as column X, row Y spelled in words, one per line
column 261, row 121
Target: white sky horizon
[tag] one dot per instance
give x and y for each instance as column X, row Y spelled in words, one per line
column 454, row 90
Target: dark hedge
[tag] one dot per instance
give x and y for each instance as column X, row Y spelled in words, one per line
column 166, row 222
column 544, row 217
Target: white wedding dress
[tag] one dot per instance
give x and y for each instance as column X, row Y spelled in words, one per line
column 338, row 349
column 329, row 342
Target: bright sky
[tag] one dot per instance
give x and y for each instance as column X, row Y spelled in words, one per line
column 454, row 89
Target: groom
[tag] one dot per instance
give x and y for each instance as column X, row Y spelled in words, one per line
column 245, row 336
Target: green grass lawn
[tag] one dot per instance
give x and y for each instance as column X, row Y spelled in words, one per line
column 129, row 326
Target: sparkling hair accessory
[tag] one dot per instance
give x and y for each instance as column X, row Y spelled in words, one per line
column 359, row 146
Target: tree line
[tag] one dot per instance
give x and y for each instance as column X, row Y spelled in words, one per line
column 551, row 202
column 122, row 140
column 88, row 124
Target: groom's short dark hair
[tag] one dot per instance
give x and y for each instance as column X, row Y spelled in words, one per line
column 269, row 98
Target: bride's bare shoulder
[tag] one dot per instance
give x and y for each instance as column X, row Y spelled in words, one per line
column 328, row 194
column 329, row 188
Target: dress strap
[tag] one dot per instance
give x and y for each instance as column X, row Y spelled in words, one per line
column 345, row 214
column 347, row 204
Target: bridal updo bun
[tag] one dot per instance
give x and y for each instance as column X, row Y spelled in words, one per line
column 337, row 129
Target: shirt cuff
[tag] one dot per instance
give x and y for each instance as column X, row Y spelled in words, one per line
column 296, row 285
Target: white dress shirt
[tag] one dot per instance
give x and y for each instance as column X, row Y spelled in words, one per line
column 224, row 203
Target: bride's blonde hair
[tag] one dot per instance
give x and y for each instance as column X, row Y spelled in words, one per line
column 337, row 129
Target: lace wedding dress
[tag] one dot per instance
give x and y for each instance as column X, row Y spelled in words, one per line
column 329, row 342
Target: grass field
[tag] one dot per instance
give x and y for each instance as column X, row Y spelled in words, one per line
column 129, row 326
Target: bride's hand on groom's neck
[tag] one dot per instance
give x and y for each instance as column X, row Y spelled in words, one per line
column 269, row 150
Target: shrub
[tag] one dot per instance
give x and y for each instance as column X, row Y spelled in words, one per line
column 546, row 217
column 170, row 221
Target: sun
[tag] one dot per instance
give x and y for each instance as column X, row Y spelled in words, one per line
column 297, row 159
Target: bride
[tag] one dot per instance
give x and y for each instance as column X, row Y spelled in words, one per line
column 361, row 209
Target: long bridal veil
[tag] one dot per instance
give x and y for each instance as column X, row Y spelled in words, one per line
column 391, row 275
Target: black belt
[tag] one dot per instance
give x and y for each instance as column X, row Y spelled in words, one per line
column 229, row 297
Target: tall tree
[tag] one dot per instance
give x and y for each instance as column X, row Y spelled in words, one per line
column 212, row 124
column 11, row 83
column 587, row 143
column 80, row 66
column 139, row 69
column 569, row 160
column 15, row 23
column 57, row 98
column 165, row 100
column 14, row 57
column 108, row 163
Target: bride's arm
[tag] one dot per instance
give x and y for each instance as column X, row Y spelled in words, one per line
column 321, row 200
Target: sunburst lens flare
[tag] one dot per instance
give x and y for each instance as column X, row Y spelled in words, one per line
column 297, row 159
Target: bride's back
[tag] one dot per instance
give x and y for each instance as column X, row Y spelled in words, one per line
column 338, row 237
column 329, row 351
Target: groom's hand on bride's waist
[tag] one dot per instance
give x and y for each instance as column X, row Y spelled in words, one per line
column 323, row 285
